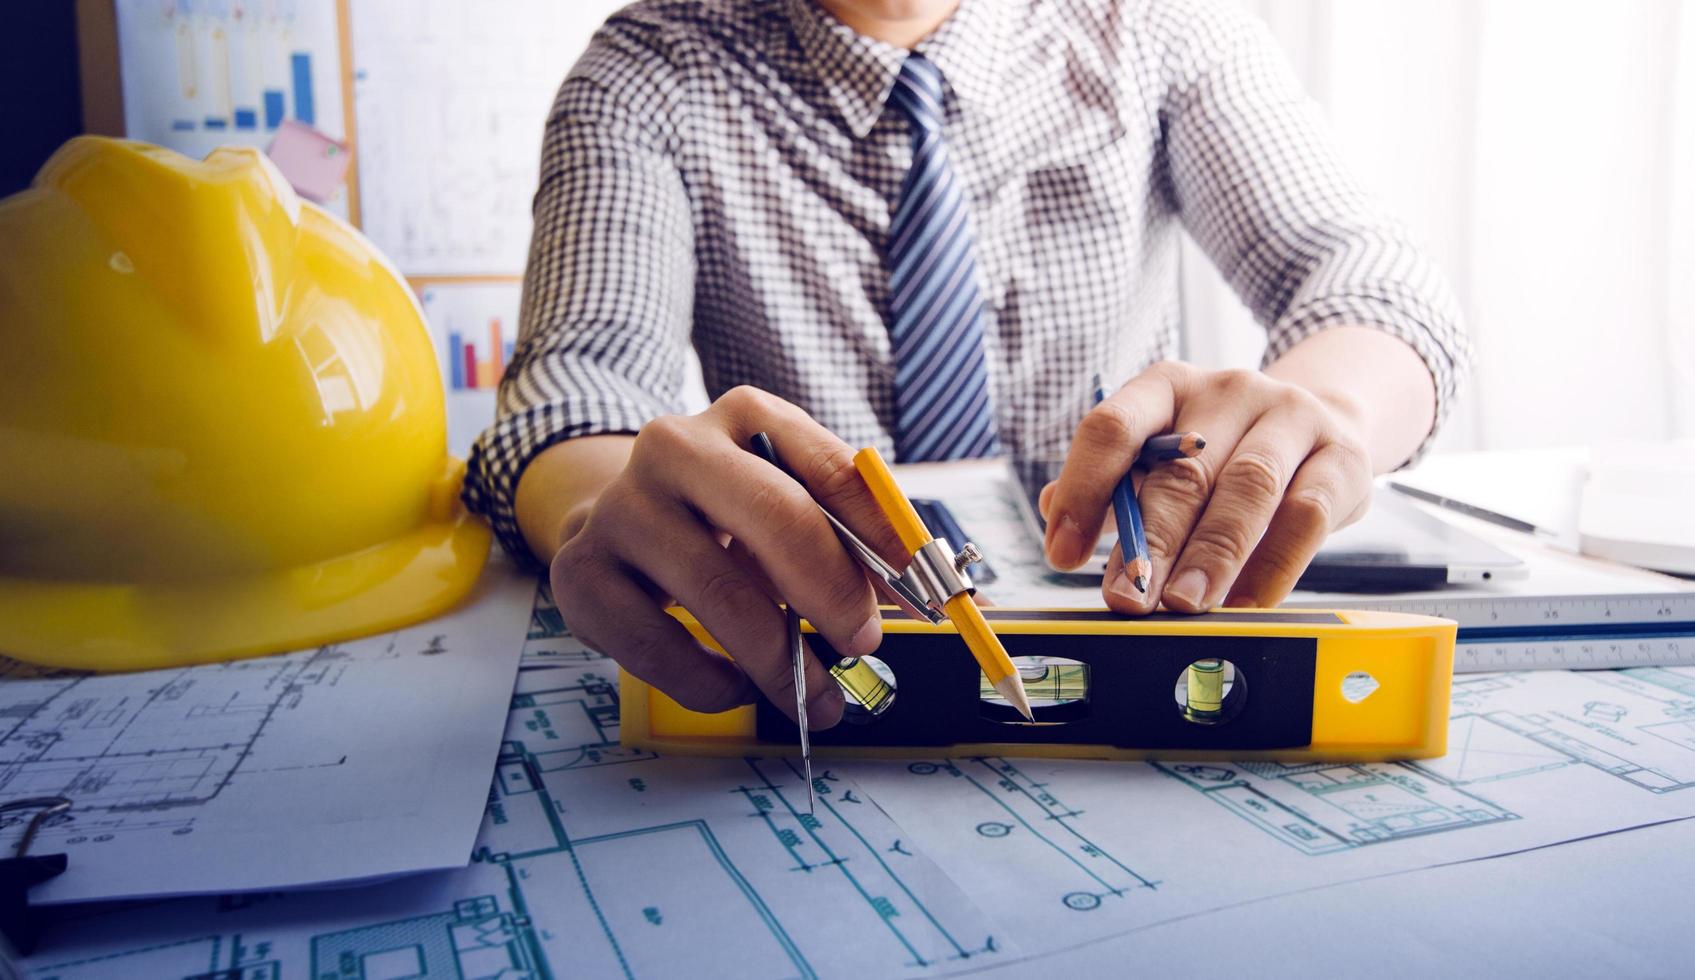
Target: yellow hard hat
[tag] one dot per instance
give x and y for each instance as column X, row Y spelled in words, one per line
column 222, row 429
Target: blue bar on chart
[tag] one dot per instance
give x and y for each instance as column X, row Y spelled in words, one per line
column 456, row 360
column 303, row 108
column 273, row 108
column 182, row 125
column 246, row 119
column 213, row 122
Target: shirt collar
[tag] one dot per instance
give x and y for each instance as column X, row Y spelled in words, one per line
column 968, row 49
column 859, row 72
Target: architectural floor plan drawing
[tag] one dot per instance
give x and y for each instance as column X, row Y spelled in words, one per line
column 1027, row 816
column 592, row 861
column 1534, row 759
column 1636, row 726
column 1318, row 808
column 175, row 777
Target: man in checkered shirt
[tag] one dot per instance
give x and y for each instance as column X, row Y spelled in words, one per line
column 732, row 173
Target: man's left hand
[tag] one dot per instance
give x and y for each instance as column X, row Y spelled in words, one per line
column 1236, row 524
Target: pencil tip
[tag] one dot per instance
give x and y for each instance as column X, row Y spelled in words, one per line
column 1011, row 687
column 1141, row 585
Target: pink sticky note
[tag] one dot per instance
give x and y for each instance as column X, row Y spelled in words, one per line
column 313, row 163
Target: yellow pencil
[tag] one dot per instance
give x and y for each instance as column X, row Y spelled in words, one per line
column 985, row 647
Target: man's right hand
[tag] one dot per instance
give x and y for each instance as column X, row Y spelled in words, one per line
column 695, row 517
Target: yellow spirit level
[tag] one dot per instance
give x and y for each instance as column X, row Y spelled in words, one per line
column 1243, row 684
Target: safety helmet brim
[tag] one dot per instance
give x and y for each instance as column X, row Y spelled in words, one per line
column 150, row 625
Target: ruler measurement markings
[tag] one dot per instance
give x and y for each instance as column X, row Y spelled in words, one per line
column 1515, row 632
column 1509, row 610
column 1596, row 653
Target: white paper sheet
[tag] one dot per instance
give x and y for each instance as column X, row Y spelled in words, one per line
column 451, row 99
column 355, row 760
column 594, row 861
column 1064, row 852
column 1597, row 907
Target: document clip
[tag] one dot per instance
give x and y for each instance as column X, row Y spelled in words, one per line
column 1287, row 685
column 23, row 871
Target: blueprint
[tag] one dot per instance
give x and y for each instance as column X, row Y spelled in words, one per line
column 1598, row 907
column 593, row 860
column 352, row 761
column 1534, row 759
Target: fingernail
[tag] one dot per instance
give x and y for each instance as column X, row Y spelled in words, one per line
column 1141, row 572
column 1068, row 544
column 1189, row 587
column 1118, row 583
column 867, row 638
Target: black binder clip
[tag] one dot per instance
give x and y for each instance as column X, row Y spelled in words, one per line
column 23, row 871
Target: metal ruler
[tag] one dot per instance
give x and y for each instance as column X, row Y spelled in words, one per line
column 1557, row 632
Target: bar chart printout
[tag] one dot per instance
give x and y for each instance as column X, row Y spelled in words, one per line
column 478, row 362
column 474, row 326
column 198, row 74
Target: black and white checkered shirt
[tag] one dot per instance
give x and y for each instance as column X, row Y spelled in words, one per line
column 723, row 172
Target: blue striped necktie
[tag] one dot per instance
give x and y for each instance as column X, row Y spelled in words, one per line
column 942, row 408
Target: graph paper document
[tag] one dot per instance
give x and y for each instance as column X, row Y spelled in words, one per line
column 355, row 760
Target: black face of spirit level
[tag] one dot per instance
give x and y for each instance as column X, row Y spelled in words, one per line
column 1126, row 701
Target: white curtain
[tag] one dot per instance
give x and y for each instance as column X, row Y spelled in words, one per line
column 1544, row 152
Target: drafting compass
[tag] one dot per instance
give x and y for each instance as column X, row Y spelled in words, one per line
column 935, row 586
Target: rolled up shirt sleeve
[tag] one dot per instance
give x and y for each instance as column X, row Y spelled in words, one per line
column 1259, row 184
column 607, row 298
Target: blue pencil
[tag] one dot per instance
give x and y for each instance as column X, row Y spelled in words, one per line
column 1128, row 514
